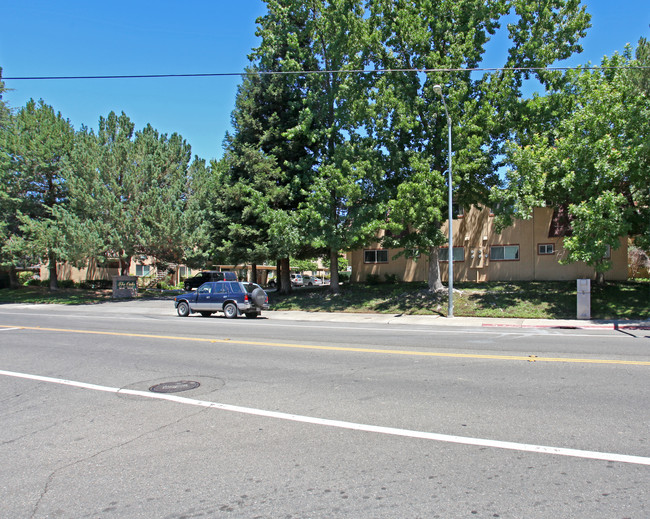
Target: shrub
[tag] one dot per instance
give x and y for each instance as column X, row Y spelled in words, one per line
column 344, row 276
column 372, row 279
column 391, row 278
column 25, row 277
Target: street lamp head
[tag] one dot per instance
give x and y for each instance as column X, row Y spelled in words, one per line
column 437, row 89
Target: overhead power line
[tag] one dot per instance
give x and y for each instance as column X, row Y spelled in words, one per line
column 311, row 72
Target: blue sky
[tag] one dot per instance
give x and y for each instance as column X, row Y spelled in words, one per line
column 81, row 37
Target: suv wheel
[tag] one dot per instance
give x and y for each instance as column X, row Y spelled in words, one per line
column 230, row 310
column 183, row 309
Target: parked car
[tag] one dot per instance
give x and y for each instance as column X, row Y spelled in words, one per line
column 233, row 298
column 312, row 281
column 208, row 275
column 296, row 281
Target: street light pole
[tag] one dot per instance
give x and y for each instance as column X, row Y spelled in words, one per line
column 450, row 257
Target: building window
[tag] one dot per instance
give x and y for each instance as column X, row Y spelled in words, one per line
column 142, row 270
column 375, row 256
column 457, row 211
column 459, row 254
column 504, row 252
column 183, row 272
column 545, row 248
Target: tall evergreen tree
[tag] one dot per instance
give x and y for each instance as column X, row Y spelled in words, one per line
column 338, row 204
column 269, row 159
column 201, row 192
column 8, row 202
column 128, row 194
column 38, row 147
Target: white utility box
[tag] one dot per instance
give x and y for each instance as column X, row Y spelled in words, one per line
column 584, row 299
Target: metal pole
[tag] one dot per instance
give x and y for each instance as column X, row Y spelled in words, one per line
column 450, row 310
column 450, row 257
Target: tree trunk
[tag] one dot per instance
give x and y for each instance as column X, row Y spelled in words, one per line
column 253, row 273
column 278, row 275
column 334, row 271
column 435, row 283
column 13, row 278
column 125, row 266
column 284, row 276
column 54, row 278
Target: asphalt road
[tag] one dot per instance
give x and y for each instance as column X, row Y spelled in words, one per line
column 315, row 419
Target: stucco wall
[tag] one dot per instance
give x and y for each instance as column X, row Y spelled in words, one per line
column 475, row 233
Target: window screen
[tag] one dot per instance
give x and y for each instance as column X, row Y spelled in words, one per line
column 375, row 256
column 459, row 254
column 504, row 252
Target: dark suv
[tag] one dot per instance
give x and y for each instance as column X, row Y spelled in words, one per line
column 208, row 275
column 230, row 297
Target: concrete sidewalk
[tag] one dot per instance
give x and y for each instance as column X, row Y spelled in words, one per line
column 166, row 307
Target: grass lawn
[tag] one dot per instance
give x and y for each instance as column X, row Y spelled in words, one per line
column 66, row 296
column 529, row 299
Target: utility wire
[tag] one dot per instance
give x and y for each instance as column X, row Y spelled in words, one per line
column 312, row 72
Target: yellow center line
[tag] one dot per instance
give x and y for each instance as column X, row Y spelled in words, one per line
column 530, row 358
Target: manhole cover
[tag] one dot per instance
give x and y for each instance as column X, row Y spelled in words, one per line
column 174, row 387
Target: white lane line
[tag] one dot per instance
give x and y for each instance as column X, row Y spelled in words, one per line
column 9, row 329
column 540, row 449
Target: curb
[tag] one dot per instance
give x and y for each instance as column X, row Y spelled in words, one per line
column 566, row 324
column 573, row 327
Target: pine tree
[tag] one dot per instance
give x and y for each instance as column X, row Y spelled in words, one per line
column 38, row 147
column 128, row 194
column 268, row 164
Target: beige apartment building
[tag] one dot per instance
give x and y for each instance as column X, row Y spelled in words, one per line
column 527, row 250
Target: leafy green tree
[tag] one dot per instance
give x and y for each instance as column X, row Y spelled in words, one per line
column 38, row 147
column 301, row 265
column 592, row 158
column 340, row 209
column 408, row 120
